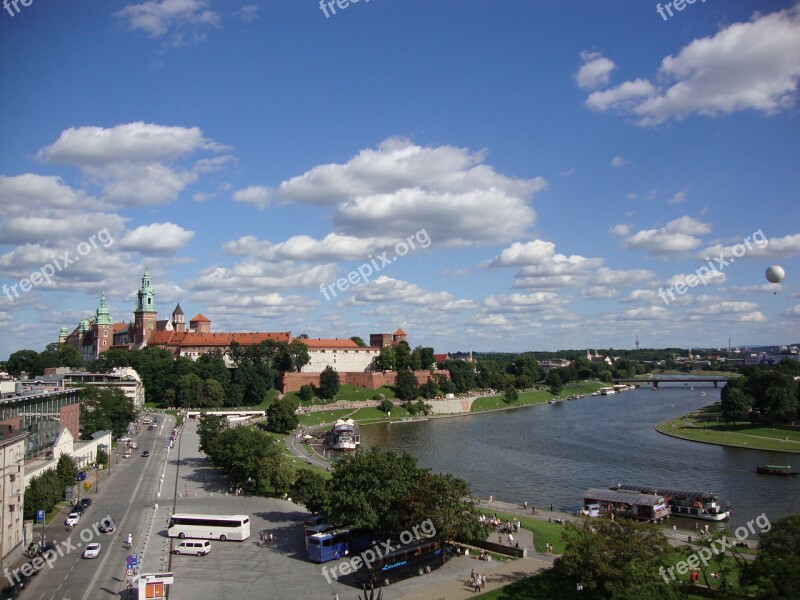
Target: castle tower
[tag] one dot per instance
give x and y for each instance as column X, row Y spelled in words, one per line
column 62, row 335
column 178, row 319
column 144, row 317
column 104, row 328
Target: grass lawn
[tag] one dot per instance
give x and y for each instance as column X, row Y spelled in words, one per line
column 371, row 413
column 703, row 426
column 543, row 531
column 327, row 416
column 535, row 396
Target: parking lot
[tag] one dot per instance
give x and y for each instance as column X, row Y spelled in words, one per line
column 236, row 570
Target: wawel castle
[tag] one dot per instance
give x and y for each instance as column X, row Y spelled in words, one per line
column 95, row 335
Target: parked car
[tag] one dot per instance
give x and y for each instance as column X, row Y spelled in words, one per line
column 87, row 502
column 146, row 453
column 72, row 519
column 81, row 476
column 151, row 427
column 92, row 550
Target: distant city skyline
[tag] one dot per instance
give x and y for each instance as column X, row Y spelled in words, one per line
column 583, row 174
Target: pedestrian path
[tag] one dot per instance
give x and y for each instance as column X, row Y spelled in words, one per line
column 496, row 577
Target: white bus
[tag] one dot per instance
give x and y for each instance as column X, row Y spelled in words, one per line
column 211, row 527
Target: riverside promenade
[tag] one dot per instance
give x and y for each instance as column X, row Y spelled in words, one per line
column 498, row 574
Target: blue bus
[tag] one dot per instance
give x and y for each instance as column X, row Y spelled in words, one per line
column 314, row 529
column 336, row 543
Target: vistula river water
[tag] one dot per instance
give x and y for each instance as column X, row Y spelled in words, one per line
column 552, row 453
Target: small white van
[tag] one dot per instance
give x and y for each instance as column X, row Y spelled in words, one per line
column 196, row 547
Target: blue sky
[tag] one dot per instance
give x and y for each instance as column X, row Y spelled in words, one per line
column 561, row 168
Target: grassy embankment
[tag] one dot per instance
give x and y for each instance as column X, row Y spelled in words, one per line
column 536, row 396
column 543, row 531
column 706, row 425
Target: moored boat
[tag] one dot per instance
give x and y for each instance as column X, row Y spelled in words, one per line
column 775, row 470
column 684, row 503
column 344, row 435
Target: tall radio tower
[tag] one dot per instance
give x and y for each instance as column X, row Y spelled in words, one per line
column 637, row 342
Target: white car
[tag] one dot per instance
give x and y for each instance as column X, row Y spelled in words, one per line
column 92, row 551
column 72, row 519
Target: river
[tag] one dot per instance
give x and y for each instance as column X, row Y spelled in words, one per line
column 552, row 453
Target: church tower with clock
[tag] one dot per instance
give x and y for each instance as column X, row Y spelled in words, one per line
column 144, row 317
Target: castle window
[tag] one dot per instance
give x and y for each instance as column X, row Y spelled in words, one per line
column 104, row 342
column 105, row 332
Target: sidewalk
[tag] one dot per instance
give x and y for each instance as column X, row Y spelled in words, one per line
column 501, row 575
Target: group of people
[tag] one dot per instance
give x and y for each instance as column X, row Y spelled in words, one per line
column 266, row 537
column 548, row 548
column 477, row 581
column 500, row 526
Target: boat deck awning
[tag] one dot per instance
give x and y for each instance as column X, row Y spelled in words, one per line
column 669, row 492
column 622, row 497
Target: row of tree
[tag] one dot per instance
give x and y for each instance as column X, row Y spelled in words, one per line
column 46, row 490
column 249, row 456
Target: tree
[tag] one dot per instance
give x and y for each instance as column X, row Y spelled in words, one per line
column 67, row 471
column 253, row 383
column 428, row 390
column 211, row 365
column 155, row 368
column 775, row 572
column 111, row 358
column 387, row 359
column 249, row 455
column 359, row 492
column 310, row 489
column 102, row 457
column 21, row 360
column 405, row 385
column 298, row 354
column 306, row 393
column 281, row 417
column 462, row 374
column 402, row 353
column 213, row 394
column 735, row 405
column 328, row 383
column 104, row 408
column 359, row 341
column 511, row 394
column 189, row 391
column 386, row 405
column 209, row 428
column 615, row 559
column 446, row 501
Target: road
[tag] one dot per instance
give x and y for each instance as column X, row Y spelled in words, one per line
column 127, row 495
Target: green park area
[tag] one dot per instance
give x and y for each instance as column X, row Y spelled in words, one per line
column 707, row 425
column 536, row 396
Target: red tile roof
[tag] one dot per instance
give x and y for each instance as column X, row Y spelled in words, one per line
column 120, row 327
column 440, row 357
column 188, row 338
column 199, row 317
column 320, row 343
column 400, row 332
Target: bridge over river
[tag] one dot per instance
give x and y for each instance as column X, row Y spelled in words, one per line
column 654, row 381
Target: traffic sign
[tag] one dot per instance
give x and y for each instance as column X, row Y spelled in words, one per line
column 129, row 572
column 39, row 516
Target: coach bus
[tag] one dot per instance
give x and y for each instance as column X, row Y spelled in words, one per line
column 336, row 543
column 320, row 528
column 209, row 527
column 404, row 561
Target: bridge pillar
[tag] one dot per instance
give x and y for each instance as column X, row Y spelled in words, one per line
column 715, row 384
column 655, row 384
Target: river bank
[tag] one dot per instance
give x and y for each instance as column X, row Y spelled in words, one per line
column 704, row 426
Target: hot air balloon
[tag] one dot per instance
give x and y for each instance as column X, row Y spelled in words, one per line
column 775, row 274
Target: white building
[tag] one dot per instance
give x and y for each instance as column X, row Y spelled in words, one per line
column 342, row 355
